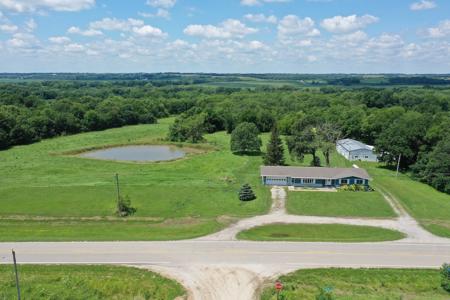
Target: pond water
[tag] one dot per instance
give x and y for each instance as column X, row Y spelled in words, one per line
column 137, row 153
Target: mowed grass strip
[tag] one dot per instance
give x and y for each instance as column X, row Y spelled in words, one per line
column 361, row 284
column 86, row 282
column 427, row 205
column 339, row 204
column 127, row 230
column 319, row 233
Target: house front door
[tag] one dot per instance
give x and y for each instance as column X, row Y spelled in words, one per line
column 328, row 182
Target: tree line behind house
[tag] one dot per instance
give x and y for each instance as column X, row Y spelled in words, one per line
column 413, row 122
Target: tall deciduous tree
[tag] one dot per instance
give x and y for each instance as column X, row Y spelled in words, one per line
column 245, row 139
column 328, row 133
column 304, row 142
column 275, row 149
column 405, row 136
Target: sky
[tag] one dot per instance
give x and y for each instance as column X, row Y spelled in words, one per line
column 233, row 36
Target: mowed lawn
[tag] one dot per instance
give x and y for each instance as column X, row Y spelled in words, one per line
column 86, row 282
column 339, row 204
column 319, row 233
column 429, row 206
column 46, row 189
column 361, row 284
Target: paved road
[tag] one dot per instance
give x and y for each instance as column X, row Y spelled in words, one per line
column 389, row 254
column 229, row 269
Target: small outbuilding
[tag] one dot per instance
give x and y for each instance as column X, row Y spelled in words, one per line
column 354, row 150
column 313, row 176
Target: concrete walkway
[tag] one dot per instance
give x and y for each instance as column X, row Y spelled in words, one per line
column 403, row 223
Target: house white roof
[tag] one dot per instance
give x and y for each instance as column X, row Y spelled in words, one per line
column 352, row 145
column 314, row 172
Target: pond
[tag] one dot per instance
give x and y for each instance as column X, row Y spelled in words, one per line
column 137, row 153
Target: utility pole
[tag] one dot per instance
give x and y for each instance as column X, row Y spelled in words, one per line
column 118, row 190
column 398, row 164
column 17, row 275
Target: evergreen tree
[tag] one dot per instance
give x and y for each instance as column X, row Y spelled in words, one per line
column 246, row 193
column 275, row 149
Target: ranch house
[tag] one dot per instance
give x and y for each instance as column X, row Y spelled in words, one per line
column 355, row 150
column 313, row 176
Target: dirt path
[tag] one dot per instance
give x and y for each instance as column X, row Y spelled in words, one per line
column 218, row 282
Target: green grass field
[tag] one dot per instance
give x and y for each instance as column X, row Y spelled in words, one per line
column 362, row 284
column 342, row 204
column 319, row 233
column 65, row 197
column 86, row 282
column 429, row 206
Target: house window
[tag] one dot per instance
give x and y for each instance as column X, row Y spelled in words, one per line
column 344, row 181
column 359, row 181
column 367, row 156
column 356, row 156
column 308, row 180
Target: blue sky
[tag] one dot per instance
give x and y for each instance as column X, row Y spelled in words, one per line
column 295, row 36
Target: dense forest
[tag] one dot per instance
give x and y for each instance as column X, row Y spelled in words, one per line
column 413, row 122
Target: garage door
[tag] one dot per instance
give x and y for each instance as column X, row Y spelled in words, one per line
column 276, row 181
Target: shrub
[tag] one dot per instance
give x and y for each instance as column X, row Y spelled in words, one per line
column 445, row 277
column 325, row 294
column 124, row 208
column 354, row 188
column 246, row 193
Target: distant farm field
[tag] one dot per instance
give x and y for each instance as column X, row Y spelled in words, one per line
column 361, row 284
column 342, row 204
column 319, row 233
column 45, row 188
column 86, row 282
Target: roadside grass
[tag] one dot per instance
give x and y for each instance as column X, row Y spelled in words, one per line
column 86, row 282
column 428, row 206
column 361, row 284
column 40, row 181
column 319, row 233
column 339, row 204
column 105, row 230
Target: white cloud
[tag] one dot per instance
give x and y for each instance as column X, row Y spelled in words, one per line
column 113, row 24
column 30, row 25
column 148, row 31
column 291, row 26
column 423, row 5
column 87, row 32
column 21, row 6
column 261, row 18
column 259, row 2
column 255, row 45
column 23, row 41
column 8, row 28
column 230, row 28
column 340, row 24
column 59, row 39
column 442, row 30
column 162, row 3
column 74, row 47
column 354, row 37
column 160, row 13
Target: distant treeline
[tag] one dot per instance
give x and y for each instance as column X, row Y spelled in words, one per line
column 177, row 79
column 413, row 122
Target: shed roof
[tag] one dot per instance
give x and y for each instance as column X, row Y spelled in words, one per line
column 314, row 172
column 352, row 145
